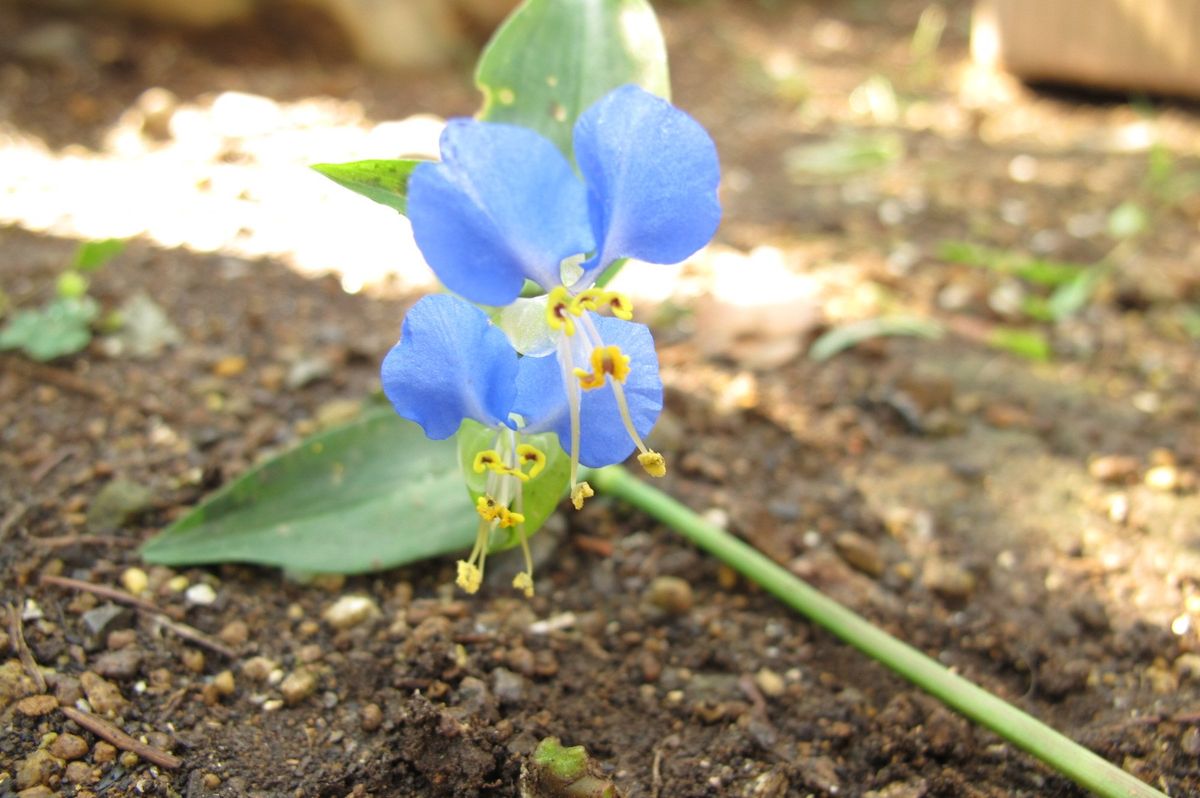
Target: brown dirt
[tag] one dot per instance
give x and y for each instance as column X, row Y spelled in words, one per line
column 945, row 490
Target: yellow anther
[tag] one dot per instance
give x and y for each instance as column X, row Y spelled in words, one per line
column 654, row 463
column 524, row 583
column 579, row 493
column 469, row 577
column 488, row 458
column 488, row 508
column 619, row 304
column 560, row 306
column 589, row 299
column 509, row 518
column 532, row 455
column 606, row 360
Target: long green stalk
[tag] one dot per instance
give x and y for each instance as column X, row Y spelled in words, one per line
column 1024, row 731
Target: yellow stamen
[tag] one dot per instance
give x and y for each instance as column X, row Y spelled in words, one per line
column 508, row 518
column 559, row 308
column 488, row 458
column 619, row 304
column 524, row 582
column 579, row 493
column 469, row 577
column 589, row 299
column 654, row 463
column 606, row 360
column 533, row 455
column 488, row 508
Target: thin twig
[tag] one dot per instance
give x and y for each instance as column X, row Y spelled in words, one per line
column 194, row 635
column 17, row 635
column 11, row 518
column 153, row 611
column 63, row 541
column 104, row 591
column 50, row 463
column 102, row 728
column 656, row 781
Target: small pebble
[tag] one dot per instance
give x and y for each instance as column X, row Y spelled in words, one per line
column 949, row 580
column 234, row 633
column 298, row 685
column 121, row 664
column 211, row 781
column 258, row 669
column 193, row 660
column 371, row 717
column 508, row 687
column 100, row 620
column 35, row 706
column 135, row 580
column 1189, row 742
column 104, row 696
column 860, row 553
column 1114, row 468
column 40, row 767
column 350, row 611
column 770, row 683
column 1164, row 478
column 670, row 594
column 78, row 773
column 177, row 584
column 69, row 746
column 120, row 638
column 224, row 683
column 201, row 594
column 103, row 753
column 129, row 759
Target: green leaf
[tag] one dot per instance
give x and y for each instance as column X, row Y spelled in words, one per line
column 551, row 59
column 1070, row 298
column 60, row 328
column 91, row 255
column 1029, row 344
column 540, row 494
column 1049, row 273
column 385, row 182
column 71, row 285
column 372, row 494
column 849, row 335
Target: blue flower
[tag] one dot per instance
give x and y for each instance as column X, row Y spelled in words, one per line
column 505, row 206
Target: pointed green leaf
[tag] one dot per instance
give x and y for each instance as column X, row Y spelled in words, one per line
column 373, row 494
column 385, row 182
column 850, row 335
column 553, row 58
column 540, row 495
column 91, row 255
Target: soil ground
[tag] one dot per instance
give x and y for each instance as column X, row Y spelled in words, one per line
column 1032, row 524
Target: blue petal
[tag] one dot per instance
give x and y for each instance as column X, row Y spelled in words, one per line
column 541, row 397
column 451, row 363
column 652, row 173
column 502, row 205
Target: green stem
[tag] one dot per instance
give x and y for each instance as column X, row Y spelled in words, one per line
column 1067, row 757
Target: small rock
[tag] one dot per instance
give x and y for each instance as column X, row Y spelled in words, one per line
column 770, row 683
column 14, row 683
column 350, row 611
column 1114, row 469
column 1164, row 478
column 135, row 580
column 145, row 331
column 258, row 669
column 104, row 696
column 1187, row 667
column 1161, row 680
column 121, row 664
column 306, row 371
column 224, row 683
column 1189, row 742
column 230, row 366
column 234, row 633
column 117, row 503
column 35, row 706
column 211, row 781
column 784, row 510
column 298, row 685
column 949, row 580
column 67, row 690
column 371, row 717
column 103, row 753
column 670, row 594
column 820, row 773
column 40, row 767
column 772, row 784
column 193, row 659
column 900, row 789
column 121, row 638
column 860, row 553
column 100, row 620
column 521, row 660
column 78, row 773
column 337, row 412
column 200, row 594
column 508, row 687
column 69, row 746
column 1002, row 415
column 476, row 699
